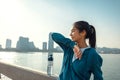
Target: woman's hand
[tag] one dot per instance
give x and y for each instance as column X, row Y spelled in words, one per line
column 77, row 52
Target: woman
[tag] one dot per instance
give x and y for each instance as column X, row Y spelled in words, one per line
column 80, row 59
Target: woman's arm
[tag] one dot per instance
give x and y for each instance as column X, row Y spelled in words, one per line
column 62, row 41
column 97, row 63
column 65, row 43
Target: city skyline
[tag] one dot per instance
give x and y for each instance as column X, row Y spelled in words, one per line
column 23, row 44
column 45, row 45
column 37, row 18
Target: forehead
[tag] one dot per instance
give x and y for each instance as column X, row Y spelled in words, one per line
column 74, row 28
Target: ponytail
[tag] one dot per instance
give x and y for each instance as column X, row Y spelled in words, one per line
column 92, row 37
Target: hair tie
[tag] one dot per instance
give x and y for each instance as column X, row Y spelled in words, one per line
column 91, row 29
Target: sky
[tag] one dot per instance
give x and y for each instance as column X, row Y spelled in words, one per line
column 35, row 19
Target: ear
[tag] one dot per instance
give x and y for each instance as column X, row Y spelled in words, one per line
column 83, row 33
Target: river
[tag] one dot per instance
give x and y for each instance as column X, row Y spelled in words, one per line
column 39, row 61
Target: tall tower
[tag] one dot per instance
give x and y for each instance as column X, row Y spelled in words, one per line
column 8, row 43
column 45, row 46
column 50, row 43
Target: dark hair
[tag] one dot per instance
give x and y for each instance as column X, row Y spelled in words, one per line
column 90, row 31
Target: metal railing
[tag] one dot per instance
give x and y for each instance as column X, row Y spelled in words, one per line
column 15, row 72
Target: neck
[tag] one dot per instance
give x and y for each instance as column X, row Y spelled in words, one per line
column 82, row 44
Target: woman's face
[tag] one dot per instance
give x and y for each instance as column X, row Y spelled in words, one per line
column 75, row 34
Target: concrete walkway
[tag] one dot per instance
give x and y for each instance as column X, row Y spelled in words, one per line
column 16, row 72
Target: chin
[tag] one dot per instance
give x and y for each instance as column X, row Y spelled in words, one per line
column 73, row 39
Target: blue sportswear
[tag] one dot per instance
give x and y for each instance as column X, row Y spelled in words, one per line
column 90, row 62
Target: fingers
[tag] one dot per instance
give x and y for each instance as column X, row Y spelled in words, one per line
column 77, row 52
column 76, row 49
column 78, row 55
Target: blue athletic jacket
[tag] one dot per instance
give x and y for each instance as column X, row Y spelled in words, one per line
column 90, row 62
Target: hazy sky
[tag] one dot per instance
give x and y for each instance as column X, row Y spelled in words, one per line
column 36, row 18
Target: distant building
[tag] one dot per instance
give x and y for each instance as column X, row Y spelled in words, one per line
column 44, row 46
column 24, row 44
column 8, row 44
column 0, row 46
column 31, row 45
column 50, row 43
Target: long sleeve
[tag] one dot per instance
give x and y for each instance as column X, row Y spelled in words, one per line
column 97, row 63
column 62, row 41
column 66, row 44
